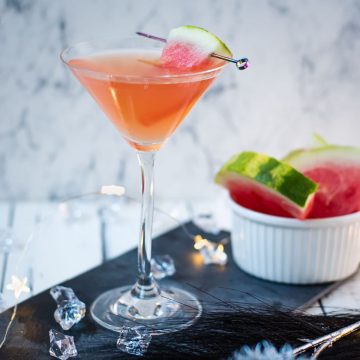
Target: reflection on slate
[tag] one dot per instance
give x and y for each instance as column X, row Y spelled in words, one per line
column 29, row 335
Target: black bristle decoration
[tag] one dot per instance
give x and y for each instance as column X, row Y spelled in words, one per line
column 218, row 334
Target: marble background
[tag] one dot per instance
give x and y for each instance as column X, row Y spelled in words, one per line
column 54, row 142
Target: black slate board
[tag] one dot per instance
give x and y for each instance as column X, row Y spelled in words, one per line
column 29, row 339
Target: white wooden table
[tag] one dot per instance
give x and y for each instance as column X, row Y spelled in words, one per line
column 65, row 242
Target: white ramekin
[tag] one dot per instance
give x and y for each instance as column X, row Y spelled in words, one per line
column 295, row 251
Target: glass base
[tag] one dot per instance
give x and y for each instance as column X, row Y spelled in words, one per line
column 172, row 310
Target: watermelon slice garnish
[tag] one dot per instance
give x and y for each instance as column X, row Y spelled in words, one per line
column 191, row 46
column 264, row 184
column 337, row 171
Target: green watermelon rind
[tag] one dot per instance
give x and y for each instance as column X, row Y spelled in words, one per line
column 221, row 47
column 319, row 141
column 303, row 159
column 280, row 178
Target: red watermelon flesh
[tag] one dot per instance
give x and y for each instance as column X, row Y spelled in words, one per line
column 337, row 171
column 258, row 198
column 339, row 190
column 190, row 47
column 184, row 56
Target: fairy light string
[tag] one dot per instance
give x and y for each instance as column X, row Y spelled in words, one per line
column 13, row 315
column 18, row 285
column 120, row 191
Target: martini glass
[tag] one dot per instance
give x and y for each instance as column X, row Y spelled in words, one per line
column 146, row 102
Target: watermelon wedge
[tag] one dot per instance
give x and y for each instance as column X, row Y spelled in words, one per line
column 264, row 184
column 337, row 171
column 190, row 46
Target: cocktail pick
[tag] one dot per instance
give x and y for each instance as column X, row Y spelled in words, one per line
column 241, row 64
column 322, row 343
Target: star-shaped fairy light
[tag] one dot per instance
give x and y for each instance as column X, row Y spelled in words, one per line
column 112, row 190
column 212, row 253
column 18, row 286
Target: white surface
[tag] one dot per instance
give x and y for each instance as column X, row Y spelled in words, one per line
column 51, row 260
column 54, row 141
column 293, row 251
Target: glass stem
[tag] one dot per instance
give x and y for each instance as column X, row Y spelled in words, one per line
column 146, row 286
